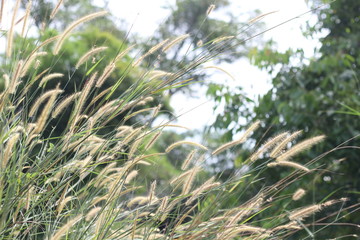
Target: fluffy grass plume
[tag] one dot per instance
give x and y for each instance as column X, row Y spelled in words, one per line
column 242, row 139
column 102, row 175
column 72, row 26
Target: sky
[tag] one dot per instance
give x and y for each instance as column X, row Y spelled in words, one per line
column 145, row 16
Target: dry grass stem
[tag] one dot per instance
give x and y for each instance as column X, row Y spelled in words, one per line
column 43, row 44
column 132, row 135
column 80, row 162
column 37, row 77
column 98, row 199
column 156, row 110
column 141, row 157
column 123, row 131
column 232, row 232
column 105, row 110
column 135, row 146
column 144, row 101
column 180, row 178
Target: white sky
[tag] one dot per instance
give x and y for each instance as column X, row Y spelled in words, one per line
column 146, row 16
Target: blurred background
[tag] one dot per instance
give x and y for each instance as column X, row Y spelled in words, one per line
column 294, row 68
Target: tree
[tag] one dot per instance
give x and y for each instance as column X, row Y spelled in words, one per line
column 204, row 31
column 67, row 11
column 320, row 96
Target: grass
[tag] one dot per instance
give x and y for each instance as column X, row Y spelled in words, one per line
column 82, row 183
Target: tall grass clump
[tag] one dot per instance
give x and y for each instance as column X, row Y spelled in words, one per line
column 82, row 183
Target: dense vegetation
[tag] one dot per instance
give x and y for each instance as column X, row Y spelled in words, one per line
column 319, row 95
column 82, row 157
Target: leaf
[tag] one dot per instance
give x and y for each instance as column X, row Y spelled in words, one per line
column 93, row 67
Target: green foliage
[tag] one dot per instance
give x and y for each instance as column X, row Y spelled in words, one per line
column 190, row 17
column 86, row 183
column 268, row 58
column 319, row 95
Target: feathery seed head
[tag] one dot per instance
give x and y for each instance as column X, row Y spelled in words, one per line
column 298, row 194
column 288, row 164
column 277, row 150
column 242, row 139
column 306, row 144
column 210, row 9
column 87, row 55
column 174, row 145
column 72, row 26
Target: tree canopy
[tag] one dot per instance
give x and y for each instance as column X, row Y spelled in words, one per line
column 319, row 95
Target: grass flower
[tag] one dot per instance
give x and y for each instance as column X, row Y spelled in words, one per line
column 104, row 174
column 72, row 26
column 242, row 139
column 174, row 145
